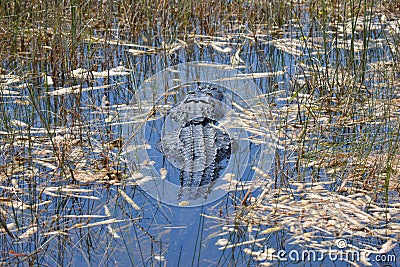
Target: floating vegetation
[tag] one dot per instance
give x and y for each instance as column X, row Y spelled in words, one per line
column 314, row 218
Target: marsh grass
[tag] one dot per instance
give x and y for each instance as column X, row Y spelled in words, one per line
column 329, row 69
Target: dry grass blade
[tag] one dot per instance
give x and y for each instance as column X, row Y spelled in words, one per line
column 31, row 230
column 110, row 221
column 128, row 199
column 243, row 243
column 79, row 89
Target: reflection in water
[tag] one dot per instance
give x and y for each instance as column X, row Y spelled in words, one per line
column 186, row 96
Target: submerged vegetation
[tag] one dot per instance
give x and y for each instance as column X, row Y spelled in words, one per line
column 329, row 70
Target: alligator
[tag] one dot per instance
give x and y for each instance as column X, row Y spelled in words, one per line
column 198, row 146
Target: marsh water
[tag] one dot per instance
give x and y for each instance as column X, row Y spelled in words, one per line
column 314, row 166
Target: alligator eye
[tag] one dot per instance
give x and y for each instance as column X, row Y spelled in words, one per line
column 210, row 93
column 191, row 92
